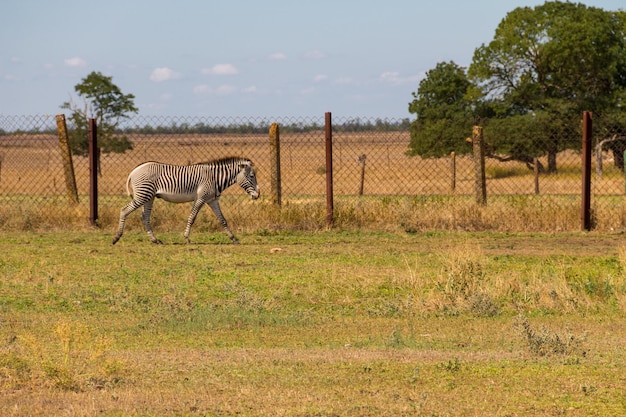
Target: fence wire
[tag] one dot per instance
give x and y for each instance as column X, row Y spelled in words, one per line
column 370, row 160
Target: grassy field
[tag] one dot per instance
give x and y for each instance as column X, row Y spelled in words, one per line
column 325, row 323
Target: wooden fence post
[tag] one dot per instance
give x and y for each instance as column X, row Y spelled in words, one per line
column 536, row 174
column 66, row 156
column 275, row 164
column 624, row 174
column 624, row 198
column 361, row 160
column 480, row 182
column 452, row 172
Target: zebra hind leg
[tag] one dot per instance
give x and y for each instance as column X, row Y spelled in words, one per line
column 195, row 209
column 147, row 210
column 124, row 212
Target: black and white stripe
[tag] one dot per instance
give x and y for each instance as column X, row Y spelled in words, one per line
column 201, row 184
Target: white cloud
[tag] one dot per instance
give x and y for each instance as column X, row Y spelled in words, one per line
column 221, row 69
column 320, row 77
column 250, row 90
column 344, row 81
column 394, row 77
column 201, row 89
column 315, row 55
column 278, row 56
column 163, row 74
column 222, row 90
column 389, row 75
column 75, row 62
column 225, row 89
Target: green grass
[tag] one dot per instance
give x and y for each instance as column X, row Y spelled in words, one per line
column 317, row 323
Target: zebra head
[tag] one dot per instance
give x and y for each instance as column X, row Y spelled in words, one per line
column 246, row 178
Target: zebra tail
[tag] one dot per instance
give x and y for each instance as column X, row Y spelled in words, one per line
column 128, row 187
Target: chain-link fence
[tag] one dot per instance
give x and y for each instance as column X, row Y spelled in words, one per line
column 370, row 165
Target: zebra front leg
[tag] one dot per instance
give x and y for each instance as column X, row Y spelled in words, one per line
column 215, row 206
column 124, row 212
column 147, row 210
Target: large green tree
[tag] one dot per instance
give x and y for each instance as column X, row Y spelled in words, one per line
column 550, row 63
column 445, row 112
column 104, row 101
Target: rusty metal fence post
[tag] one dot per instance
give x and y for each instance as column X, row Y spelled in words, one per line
column 275, row 164
column 585, row 208
column 66, row 156
column 93, row 171
column 480, row 182
column 329, row 169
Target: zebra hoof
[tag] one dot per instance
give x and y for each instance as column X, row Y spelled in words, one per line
column 157, row 242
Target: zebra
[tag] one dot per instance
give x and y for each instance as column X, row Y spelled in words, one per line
column 200, row 183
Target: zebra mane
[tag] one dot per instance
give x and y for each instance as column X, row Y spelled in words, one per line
column 224, row 161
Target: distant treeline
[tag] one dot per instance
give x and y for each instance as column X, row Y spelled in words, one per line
column 353, row 125
column 131, row 126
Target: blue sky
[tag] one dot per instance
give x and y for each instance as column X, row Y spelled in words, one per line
column 232, row 58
